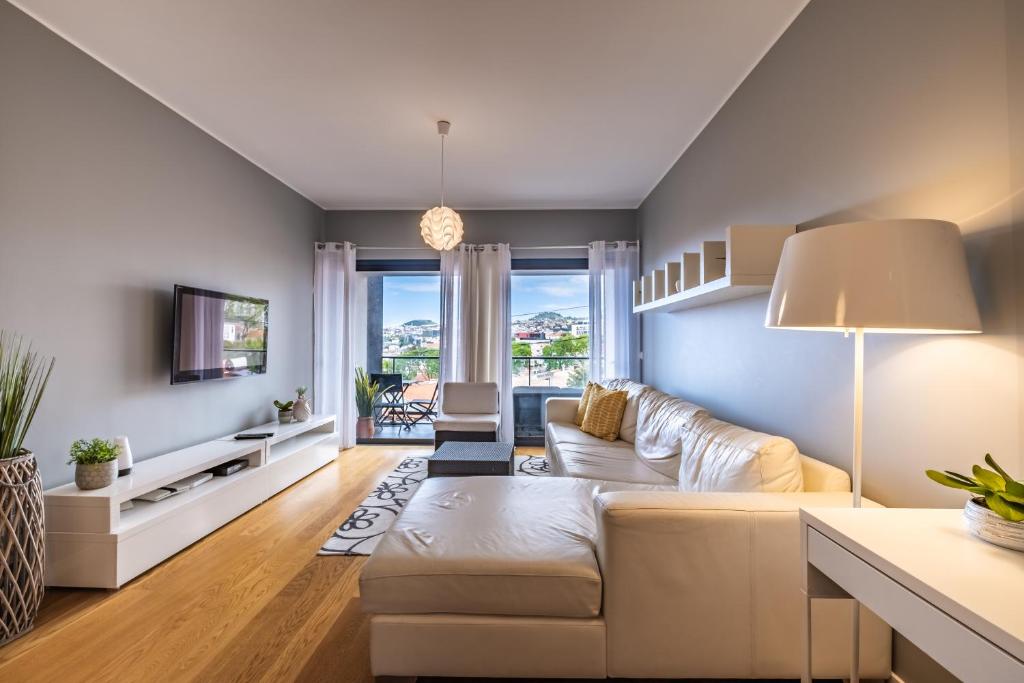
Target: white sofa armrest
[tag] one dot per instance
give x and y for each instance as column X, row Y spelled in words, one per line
column 561, row 409
column 692, row 579
column 820, row 476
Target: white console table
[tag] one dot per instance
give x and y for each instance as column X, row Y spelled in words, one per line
column 90, row 542
column 956, row 597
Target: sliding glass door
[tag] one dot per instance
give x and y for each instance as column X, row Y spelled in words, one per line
column 403, row 335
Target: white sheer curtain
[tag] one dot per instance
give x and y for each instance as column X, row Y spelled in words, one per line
column 334, row 304
column 476, row 321
column 614, row 329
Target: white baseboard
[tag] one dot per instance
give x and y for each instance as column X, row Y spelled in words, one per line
column 895, row 678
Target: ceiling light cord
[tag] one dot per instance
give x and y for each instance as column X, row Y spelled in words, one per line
column 443, row 136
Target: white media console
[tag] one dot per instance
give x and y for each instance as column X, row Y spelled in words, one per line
column 91, row 542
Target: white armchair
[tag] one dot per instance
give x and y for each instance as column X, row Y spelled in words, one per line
column 469, row 412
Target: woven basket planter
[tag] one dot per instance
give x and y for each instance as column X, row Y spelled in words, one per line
column 21, row 545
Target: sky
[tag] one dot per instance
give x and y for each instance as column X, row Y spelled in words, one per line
column 412, row 297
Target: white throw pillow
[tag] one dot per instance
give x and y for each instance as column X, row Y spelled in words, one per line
column 718, row 456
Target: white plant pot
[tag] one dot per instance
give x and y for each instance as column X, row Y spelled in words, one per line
column 988, row 526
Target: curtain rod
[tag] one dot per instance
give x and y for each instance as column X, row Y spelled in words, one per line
column 566, row 246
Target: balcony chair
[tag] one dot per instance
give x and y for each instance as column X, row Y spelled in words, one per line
column 390, row 404
column 420, row 409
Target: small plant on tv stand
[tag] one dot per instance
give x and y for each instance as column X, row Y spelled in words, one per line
column 95, row 463
column 284, row 411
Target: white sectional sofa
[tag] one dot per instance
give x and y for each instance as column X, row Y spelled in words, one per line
column 610, row 569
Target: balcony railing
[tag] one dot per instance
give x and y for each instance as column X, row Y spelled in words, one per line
column 530, row 371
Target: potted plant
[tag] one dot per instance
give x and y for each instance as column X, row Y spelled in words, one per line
column 367, row 392
column 95, row 463
column 284, row 411
column 302, row 409
column 996, row 514
column 23, row 377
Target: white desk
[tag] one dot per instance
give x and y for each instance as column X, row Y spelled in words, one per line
column 958, row 598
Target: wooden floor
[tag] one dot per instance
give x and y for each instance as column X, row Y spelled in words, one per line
column 250, row 602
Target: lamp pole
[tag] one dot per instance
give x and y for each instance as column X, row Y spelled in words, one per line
column 858, row 411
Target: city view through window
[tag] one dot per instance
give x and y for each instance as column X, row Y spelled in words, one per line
column 550, row 316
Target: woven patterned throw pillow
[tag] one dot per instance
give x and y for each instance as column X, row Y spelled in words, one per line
column 581, row 411
column 604, row 413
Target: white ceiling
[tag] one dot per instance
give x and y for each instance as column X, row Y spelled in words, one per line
column 553, row 103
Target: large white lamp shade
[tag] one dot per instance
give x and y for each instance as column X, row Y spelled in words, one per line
column 906, row 276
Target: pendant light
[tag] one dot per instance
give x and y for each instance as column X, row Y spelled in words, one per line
column 440, row 226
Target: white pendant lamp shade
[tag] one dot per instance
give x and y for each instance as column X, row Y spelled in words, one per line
column 441, row 226
column 905, row 276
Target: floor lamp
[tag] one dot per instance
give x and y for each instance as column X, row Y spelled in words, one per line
column 897, row 276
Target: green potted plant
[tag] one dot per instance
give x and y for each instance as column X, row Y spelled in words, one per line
column 367, row 392
column 284, row 411
column 23, row 377
column 95, row 463
column 996, row 512
column 302, row 409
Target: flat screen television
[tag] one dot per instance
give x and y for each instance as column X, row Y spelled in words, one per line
column 218, row 335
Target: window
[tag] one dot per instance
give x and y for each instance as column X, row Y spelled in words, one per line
column 550, row 329
column 410, row 327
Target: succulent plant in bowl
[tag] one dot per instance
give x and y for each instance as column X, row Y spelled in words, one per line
column 284, row 411
column 996, row 513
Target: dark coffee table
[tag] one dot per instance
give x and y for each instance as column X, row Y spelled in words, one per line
column 471, row 459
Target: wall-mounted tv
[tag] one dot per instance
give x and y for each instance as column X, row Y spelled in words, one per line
column 218, row 335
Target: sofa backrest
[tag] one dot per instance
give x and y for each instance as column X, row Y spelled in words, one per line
column 469, row 398
column 658, row 421
column 719, row 456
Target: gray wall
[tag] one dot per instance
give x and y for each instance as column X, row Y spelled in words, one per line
column 107, row 199
column 862, row 110
column 518, row 228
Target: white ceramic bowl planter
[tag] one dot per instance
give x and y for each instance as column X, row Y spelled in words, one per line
column 990, row 527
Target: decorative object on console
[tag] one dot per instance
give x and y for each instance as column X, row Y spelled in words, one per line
column 441, row 227
column 898, row 276
column 124, row 456
column 367, row 392
column 23, row 378
column 95, row 463
column 997, row 514
column 284, row 411
column 302, row 409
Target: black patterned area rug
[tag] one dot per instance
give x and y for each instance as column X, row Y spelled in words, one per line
column 362, row 531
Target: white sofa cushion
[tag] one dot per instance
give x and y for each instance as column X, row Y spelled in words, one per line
column 660, row 419
column 719, row 456
column 466, row 422
column 489, row 545
column 577, row 454
column 469, row 397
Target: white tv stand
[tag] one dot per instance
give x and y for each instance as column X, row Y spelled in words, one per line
column 91, row 543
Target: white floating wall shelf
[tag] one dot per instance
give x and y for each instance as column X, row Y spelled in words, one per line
column 743, row 265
